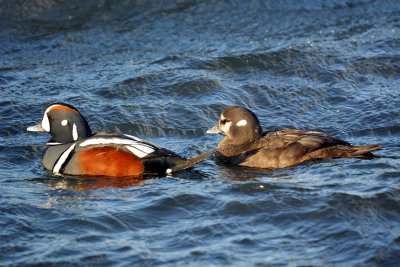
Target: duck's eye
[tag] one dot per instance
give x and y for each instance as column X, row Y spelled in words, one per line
column 223, row 121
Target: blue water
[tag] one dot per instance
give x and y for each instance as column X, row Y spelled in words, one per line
column 163, row 71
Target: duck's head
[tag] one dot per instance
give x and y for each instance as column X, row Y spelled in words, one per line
column 64, row 123
column 240, row 125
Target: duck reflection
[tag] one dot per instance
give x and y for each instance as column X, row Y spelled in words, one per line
column 90, row 183
column 238, row 173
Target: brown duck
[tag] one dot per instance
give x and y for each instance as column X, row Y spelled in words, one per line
column 244, row 143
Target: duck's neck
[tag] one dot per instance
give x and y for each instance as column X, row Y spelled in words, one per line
column 229, row 149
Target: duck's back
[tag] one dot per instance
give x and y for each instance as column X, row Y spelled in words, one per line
column 284, row 148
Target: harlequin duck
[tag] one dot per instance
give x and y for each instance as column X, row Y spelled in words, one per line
column 244, row 143
column 74, row 150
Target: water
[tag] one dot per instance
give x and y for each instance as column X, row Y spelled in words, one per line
column 163, row 71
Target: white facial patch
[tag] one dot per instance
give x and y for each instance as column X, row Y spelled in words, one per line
column 74, row 132
column 64, row 123
column 225, row 127
column 46, row 123
column 241, row 123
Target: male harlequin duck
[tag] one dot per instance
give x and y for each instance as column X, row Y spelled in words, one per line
column 245, row 145
column 74, row 150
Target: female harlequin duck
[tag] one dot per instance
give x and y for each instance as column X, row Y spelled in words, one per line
column 74, row 150
column 245, row 145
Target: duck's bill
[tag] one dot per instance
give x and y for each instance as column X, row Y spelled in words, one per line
column 214, row 130
column 35, row 128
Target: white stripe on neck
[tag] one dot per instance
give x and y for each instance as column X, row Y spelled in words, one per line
column 61, row 161
column 74, row 132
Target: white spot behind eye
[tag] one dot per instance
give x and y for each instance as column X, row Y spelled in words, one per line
column 74, row 132
column 46, row 123
column 241, row 123
column 64, row 122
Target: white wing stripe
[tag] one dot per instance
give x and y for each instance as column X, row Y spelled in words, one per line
column 144, row 149
column 113, row 141
column 62, row 159
column 136, row 147
column 137, row 152
column 133, row 137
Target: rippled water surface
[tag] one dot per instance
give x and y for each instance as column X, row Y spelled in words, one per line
column 163, row 71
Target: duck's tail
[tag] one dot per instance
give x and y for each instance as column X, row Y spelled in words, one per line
column 365, row 151
column 190, row 162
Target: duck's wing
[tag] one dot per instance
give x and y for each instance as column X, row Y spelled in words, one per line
column 312, row 145
column 157, row 160
column 134, row 145
column 312, row 140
